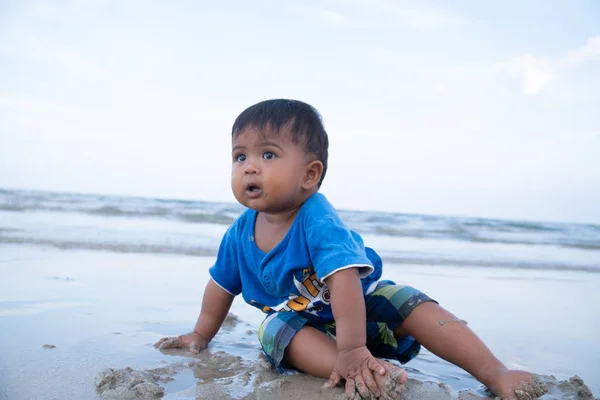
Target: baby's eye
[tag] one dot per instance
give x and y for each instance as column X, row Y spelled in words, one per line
column 268, row 155
column 240, row 158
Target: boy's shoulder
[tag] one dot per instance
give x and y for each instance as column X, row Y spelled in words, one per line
column 318, row 208
column 242, row 222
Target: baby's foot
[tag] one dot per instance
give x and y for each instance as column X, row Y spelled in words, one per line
column 510, row 384
column 391, row 384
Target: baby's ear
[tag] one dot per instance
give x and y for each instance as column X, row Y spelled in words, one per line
column 312, row 177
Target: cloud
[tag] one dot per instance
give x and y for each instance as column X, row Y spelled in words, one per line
column 31, row 105
column 537, row 73
column 329, row 16
column 582, row 55
column 411, row 15
column 71, row 60
column 423, row 17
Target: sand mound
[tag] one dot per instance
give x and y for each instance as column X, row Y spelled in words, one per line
column 572, row 389
column 129, row 384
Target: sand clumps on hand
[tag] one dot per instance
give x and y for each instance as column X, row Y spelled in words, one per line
column 393, row 388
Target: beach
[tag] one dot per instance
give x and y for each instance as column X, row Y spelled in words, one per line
column 72, row 314
column 105, row 310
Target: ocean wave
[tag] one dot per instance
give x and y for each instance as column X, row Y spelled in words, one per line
column 561, row 238
column 204, row 251
column 511, row 226
column 481, row 230
column 221, row 219
column 110, row 247
column 509, row 264
column 216, row 213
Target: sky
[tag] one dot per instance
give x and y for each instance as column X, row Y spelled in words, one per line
column 466, row 108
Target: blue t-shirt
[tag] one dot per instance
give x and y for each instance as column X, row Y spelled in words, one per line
column 290, row 277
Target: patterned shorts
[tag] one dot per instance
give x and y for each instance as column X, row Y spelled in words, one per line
column 387, row 308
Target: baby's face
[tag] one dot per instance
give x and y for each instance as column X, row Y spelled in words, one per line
column 268, row 170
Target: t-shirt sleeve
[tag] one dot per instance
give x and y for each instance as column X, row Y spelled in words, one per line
column 333, row 247
column 226, row 272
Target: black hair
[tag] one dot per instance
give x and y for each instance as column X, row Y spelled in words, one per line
column 301, row 120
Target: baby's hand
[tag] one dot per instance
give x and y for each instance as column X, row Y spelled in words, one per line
column 191, row 341
column 356, row 367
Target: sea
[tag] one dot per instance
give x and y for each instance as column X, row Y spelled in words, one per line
column 194, row 228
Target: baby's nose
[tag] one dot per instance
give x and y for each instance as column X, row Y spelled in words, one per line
column 251, row 168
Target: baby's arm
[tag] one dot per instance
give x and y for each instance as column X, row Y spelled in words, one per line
column 355, row 362
column 215, row 306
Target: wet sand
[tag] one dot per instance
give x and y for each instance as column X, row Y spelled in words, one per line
column 222, row 376
column 73, row 324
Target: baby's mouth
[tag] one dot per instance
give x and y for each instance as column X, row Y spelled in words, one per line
column 253, row 190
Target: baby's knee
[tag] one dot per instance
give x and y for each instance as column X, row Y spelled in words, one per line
column 399, row 333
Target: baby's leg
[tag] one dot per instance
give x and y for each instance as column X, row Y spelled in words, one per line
column 451, row 339
column 313, row 352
